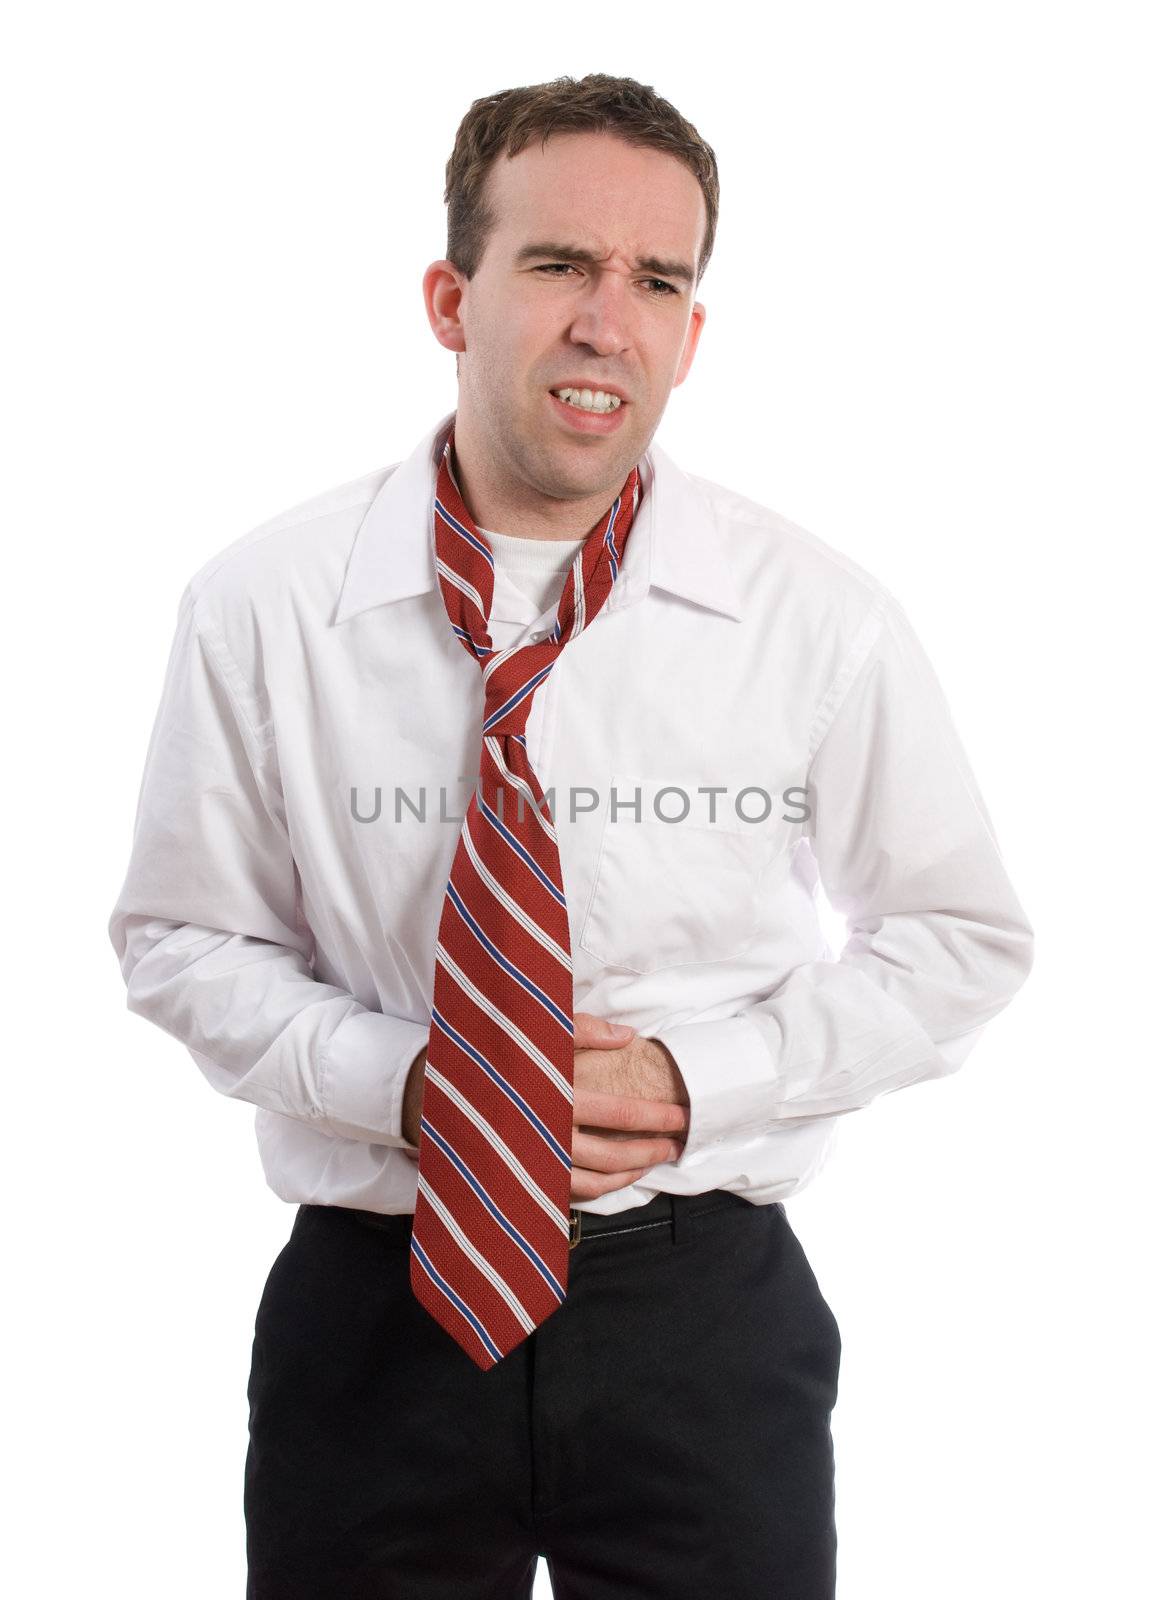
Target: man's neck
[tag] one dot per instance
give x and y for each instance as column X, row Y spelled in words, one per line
column 544, row 518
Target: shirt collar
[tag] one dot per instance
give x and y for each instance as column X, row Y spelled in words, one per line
column 675, row 543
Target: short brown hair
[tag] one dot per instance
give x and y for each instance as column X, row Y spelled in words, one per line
column 506, row 122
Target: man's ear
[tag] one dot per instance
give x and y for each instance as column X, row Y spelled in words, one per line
column 443, row 287
column 689, row 348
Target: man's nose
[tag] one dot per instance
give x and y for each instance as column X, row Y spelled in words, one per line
column 602, row 320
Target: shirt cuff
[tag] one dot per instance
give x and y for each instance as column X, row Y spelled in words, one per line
column 731, row 1081
column 364, row 1066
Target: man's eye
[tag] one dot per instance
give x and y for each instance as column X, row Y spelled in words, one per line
column 567, row 266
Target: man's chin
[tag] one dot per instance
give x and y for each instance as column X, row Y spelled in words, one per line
column 587, row 466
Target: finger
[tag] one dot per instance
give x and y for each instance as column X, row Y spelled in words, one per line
column 617, row 1155
column 594, row 1109
column 592, row 1185
column 597, row 1033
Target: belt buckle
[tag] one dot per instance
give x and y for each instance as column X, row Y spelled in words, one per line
column 574, row 1228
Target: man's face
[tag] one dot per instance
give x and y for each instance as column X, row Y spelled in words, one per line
column 531, row 323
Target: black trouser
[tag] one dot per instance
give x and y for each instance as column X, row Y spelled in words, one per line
column 664, row 1433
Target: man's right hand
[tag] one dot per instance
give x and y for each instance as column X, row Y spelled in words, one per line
column 635, row 1136
column 413, row 1100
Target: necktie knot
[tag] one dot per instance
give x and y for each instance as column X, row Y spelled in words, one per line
column 511, row 685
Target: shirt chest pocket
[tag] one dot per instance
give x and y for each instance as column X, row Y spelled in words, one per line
column 677, row 892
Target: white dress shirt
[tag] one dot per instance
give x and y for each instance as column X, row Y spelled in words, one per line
column 279, row 916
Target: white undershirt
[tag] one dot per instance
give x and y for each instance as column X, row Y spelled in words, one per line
column 536, row 567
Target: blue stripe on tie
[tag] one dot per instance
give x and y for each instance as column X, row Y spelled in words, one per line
column 514, row 972
column 515, row 700
column 498, row 1216
column 539, row 873
column 613, row 556
column 447, row 1289
column 459, row 527
column 503, row 1084
column 464, row 634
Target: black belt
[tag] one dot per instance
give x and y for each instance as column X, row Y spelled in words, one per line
column 663, row 1210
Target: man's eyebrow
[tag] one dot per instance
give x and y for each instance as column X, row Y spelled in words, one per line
column 586, row 258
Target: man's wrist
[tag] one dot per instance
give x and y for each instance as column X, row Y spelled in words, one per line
column 413, row 1099
column 663, row 1075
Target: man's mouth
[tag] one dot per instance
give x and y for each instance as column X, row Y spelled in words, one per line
column 599, row 401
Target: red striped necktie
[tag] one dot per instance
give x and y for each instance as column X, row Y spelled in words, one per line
column 490, row 1244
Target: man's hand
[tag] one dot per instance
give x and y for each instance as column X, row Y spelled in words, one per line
column 630, row 1106
column 412, row 1103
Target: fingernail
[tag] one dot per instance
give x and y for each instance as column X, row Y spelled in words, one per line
column 620, row 1028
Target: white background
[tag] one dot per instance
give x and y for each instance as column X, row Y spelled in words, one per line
column 929, row 342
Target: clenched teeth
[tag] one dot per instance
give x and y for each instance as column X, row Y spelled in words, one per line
column 588, row 399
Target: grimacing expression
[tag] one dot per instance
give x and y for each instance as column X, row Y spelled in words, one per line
column 567, row 288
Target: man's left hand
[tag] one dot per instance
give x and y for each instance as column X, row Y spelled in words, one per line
column 642, row 1068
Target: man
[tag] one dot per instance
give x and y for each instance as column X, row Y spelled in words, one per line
column 477, row 848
